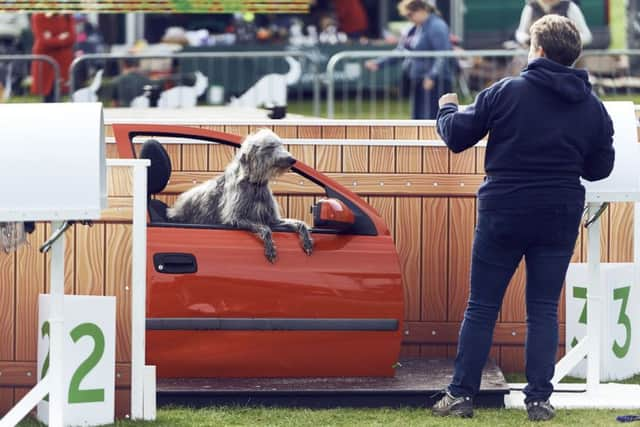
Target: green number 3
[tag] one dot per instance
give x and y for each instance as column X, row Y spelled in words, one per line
column 623, row 294
column 75, row 394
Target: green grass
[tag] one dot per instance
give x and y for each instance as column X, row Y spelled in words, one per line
column 405, row 417
column 401, row 417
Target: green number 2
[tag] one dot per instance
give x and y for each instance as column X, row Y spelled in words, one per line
column 75, row 394
column 623, row 294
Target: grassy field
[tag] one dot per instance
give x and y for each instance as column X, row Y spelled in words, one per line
column 240, row 416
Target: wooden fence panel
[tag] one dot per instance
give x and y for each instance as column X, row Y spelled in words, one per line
column 621, row 232
column 118, row 283
column 29, row 284
column 90, row 260
column 407, row 238
column 435, row 240
column 461, row 223
column 195, row 157
column 426, row 198
column 7, row 311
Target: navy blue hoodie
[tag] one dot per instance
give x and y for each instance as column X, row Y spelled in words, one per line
column 546, row 130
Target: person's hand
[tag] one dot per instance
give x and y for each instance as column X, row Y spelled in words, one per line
column 448, row 98
column 47, row 34
column 428, row 83
column 371, row 65
column 64, row 36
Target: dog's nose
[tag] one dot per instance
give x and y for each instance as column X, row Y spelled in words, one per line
column 291, row 161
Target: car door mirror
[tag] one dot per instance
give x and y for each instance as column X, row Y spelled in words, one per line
column 333, row 214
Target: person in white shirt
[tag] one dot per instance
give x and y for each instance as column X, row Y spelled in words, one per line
column 536, row 9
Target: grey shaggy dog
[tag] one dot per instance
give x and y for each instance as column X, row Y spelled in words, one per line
column 241, row 197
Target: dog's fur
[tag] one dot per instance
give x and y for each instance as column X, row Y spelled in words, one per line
column 241, row 196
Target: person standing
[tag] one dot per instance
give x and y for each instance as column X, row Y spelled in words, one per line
column 536, row 9
column 54, row 36
column 430, row 77
column 530, row 203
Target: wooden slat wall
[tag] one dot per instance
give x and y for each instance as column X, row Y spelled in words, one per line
column 425, row 194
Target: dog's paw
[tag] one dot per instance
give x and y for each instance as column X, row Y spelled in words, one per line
column 271, row 254
column 307, row 245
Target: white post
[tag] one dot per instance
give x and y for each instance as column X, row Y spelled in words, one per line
column 138, row 290
column 56, row 320
column 130, row 29
column 594, row 301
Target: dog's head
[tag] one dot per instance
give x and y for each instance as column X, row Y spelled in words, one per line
column 262, row 156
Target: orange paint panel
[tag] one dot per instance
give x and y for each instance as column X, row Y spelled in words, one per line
column 249, row 354
column 329, row 284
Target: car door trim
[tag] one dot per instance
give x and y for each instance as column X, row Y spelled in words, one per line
column 269, row 324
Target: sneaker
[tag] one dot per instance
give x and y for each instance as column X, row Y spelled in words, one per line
column 456, row 406
column 540, row 410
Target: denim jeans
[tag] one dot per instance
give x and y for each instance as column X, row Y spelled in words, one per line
column 425, row 102
column 545, row 237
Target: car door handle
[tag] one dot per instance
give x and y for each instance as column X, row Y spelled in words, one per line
column 175, row 263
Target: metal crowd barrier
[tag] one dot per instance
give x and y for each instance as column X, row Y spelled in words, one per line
column 7, row 63
column 614, row 74
column 216, row 64
column 354, row 92
column 388, row 86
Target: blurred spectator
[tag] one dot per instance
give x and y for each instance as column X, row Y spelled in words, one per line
column 430, row 77
column 54, row 35
column 536, row 9
column 129, row 84
column 12, row 26
column 352, row 18
column 89, row 39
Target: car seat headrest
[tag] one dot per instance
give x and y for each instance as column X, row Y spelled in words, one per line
column 160, row 170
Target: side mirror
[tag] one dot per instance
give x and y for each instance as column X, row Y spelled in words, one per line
column 332, row 213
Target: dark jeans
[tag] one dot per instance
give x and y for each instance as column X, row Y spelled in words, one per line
column 546, row 238
column 425, row 102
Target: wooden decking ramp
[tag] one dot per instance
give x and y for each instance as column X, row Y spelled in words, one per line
column 415, row 383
